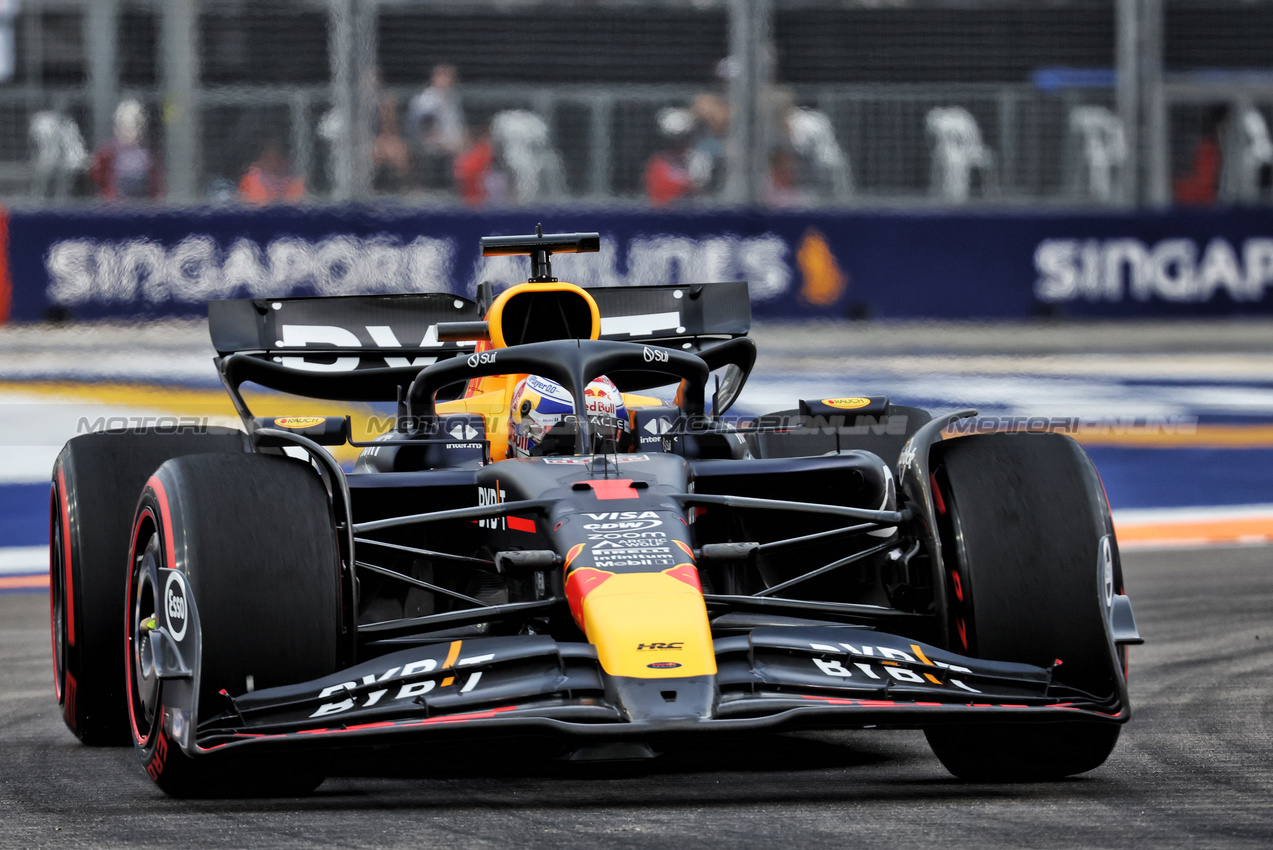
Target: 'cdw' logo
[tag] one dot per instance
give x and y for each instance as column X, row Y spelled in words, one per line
column 623, row 521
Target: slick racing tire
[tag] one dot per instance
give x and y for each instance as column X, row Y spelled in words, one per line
column 254, row 603
column 96, row 481
column 1032, row 563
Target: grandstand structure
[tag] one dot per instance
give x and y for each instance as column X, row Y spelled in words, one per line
column 758, row 102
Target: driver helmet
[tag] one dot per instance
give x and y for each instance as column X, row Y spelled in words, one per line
column 541, row 417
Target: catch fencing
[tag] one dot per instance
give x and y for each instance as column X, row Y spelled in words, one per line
column 710, row 104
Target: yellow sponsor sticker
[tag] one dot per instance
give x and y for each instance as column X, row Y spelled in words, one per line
column 299, row 422
column 846, row 403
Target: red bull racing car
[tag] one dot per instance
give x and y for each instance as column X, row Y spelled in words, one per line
column 565, row 536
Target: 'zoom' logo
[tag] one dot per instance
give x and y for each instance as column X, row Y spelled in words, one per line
column 653, row 355
column 481, row 358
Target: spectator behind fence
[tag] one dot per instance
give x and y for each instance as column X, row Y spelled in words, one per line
column 59, row 155
column 435, row 128
column 782, row 183
column 822, row 167
column 806, row 163
column 124, row 168
column 479, row 178
column 669, row 177
column 958, row 155
column 1096, row 153
column 269, row 179
column 524, row 149
column 390, row 158
column 1247, row 173
column 707, row 153
column 1200, row 185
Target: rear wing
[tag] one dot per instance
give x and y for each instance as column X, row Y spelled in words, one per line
column 360, row 331
column 347, row 348
column 371, row 347
column 674, row 315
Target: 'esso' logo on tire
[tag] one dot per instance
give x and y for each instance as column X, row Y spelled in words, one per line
column 481, row 358
column 653, row 355
column 176, row 606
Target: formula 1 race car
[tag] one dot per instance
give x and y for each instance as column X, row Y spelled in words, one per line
column 546, row 544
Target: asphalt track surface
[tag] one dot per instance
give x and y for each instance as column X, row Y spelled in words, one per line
column 1194, row 767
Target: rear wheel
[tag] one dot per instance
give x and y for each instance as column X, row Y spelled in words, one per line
column 254, row 596
column 1030, row 552
column 96, row 481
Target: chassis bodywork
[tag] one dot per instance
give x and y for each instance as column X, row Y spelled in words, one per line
column 783, row 574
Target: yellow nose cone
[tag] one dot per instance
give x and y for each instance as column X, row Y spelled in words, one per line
column 650, row 625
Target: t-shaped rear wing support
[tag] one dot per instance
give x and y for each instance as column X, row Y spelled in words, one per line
column 540, row 246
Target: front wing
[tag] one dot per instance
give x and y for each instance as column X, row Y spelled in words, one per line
column 774, row 679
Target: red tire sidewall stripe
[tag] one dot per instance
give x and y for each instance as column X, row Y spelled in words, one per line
column 128, row 626
column 68, row 587
column 960, row 608
column 163, row 524
column 55, row 509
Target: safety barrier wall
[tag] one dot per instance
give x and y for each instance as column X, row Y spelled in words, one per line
column 993, row 264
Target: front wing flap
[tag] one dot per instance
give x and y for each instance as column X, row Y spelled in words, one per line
column 775, row 678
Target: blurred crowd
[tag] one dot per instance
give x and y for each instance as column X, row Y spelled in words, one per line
column 427, row 149
column 508, row 158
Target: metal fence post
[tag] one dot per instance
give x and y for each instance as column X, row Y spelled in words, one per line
column 600, row 112
column 366, row 92
column 749, row 27
column 101, row 30
column 351, row 53
column 179, row 73
column 1157, row 177
column 1127, row 95
column 340, row 42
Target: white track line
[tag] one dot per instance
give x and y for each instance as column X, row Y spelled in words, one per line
column 24, row 560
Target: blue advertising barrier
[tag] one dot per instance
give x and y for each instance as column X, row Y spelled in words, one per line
column 998, row 264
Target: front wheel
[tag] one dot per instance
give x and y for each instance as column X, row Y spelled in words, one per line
column 1033, row 565
column 235, row 561
column 96, row 480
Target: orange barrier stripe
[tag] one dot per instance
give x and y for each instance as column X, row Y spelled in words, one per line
column 1206, row 436
column 1215, row 531
column 20, row 582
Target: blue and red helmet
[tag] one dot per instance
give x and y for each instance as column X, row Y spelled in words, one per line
column 542, row 417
